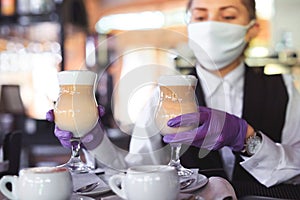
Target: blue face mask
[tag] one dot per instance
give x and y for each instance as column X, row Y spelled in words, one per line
column 217, row 44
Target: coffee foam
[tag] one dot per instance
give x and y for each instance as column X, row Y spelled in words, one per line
column 176, row 80
column 78, row 77
column 45, row 170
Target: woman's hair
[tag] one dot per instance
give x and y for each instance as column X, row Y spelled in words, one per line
column 249, row 4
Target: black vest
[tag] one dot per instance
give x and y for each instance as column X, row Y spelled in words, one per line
column 264, row 108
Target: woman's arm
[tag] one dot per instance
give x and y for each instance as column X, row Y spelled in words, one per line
column 278, row 162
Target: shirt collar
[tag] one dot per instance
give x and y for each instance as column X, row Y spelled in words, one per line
column 210, row 82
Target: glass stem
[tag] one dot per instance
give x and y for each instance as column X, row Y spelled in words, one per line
column 75, row 143
column 175, row 153
column 175, row 161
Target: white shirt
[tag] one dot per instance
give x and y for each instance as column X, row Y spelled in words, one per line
column 223, row 93
column 272, row 164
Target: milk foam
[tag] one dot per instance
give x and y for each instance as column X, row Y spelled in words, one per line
column 78, row 77
column 175, row 80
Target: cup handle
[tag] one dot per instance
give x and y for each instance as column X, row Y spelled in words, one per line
column 9, row 179
column 114, row 183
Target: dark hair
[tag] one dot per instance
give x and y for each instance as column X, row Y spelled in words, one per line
column 249, row 4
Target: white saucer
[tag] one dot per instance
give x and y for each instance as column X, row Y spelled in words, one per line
column 199, row 183
column 79, row 197
column 96, row 191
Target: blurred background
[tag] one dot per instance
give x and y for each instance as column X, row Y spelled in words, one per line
column 39, row 38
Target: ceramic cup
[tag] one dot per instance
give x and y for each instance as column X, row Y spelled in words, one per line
column 147, row 182
column 47, row 183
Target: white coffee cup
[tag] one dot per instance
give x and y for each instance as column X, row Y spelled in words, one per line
column 147, row 182
column 36, row 183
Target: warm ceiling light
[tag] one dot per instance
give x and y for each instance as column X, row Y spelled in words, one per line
column 276, row 68
column 265, row 9
column 131, row 21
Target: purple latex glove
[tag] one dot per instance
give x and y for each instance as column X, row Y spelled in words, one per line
column 90, row 140
column 216, row 129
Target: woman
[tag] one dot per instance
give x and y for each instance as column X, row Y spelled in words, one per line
column 268, row 104
column 246, row 107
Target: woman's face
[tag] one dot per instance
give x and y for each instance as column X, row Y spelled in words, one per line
column 230, row 11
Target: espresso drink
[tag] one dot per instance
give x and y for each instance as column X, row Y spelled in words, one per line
column 177, row 97
column 76, row 108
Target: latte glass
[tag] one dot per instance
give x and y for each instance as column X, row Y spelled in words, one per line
column 76, row 110
column 177, row 97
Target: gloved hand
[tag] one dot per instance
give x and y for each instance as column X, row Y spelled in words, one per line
column 216, row 129
column 91, row 138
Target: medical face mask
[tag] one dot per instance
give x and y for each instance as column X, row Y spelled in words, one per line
column 217, row 44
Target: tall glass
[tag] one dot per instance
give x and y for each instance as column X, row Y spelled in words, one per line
column 76, row 110
column 177, row 97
